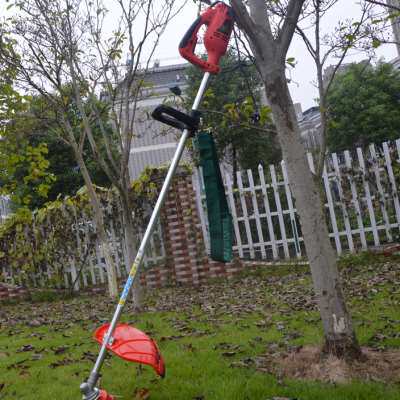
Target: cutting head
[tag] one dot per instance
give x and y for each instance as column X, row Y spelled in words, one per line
column 131, row 344
column 105, row 396
column 89, row 393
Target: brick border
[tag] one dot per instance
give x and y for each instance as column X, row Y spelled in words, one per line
column 186, row 260
column 9, row 292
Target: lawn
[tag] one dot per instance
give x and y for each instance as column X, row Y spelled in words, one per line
column 217, row 340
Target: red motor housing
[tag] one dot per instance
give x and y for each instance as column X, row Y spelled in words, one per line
column 219, row 20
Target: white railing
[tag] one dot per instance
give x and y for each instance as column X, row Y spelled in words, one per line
column 5, row 209
column 361, row 200
column 94, row 271
column 86, row 266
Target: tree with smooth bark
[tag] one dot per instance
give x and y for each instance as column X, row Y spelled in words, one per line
column 269, row 39
column 66, row 55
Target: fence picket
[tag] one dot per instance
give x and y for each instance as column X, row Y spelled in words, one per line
column 382, row 195
column 331, row 207
column 245, row 214
column 234, row 215
column 256, row 214
column 346, row 218
column 268, row 212
column 114, row 247
column 368, row 183
column 74, row 276
column 392, row 180
column 368, row 198
column 91, row 269
column 354, row 194
column 291, row 210
column 274, row 186
column 99, row 263
column 198, row 187
column 310, row 160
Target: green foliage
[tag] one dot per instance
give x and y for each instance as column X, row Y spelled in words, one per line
column 36, row 164
column 44, row 242
column 233, row 113
column 362, row 259
column 363, row 106
column 41, row 241
column 24, row 173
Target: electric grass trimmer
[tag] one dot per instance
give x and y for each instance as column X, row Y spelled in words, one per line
column 124, row 341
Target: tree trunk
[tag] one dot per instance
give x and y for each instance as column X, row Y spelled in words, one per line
column 340, row 338
column 100, row 227
column 129, row 233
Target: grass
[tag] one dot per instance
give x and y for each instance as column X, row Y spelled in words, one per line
column 46, row 348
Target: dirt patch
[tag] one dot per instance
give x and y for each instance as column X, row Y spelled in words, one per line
column 307, row 363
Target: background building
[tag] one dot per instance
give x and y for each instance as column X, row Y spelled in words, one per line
column 154, row 143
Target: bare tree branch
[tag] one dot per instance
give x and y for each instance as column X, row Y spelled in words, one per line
column 383, row 4
column 289, row 26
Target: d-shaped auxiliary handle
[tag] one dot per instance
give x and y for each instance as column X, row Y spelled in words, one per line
column 177, row 119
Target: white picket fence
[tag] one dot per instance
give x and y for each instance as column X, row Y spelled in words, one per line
column 86, row 266
column 362, row 205
column 4, row 208
column 94, row 267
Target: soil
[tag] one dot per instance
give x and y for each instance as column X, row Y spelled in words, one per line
column 308, row 363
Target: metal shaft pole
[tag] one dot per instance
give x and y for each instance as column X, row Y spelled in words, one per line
column 88, row 387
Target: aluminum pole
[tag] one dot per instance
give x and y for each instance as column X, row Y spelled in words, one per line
column 88, row 388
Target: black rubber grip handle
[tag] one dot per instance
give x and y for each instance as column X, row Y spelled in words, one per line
column 177, row 119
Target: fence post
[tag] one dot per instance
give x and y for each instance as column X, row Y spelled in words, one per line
column 356, row 203
column 368, row 197
column 382, row 200
column 74, row 276
column 114, row 247
column 197, row 179
column 388, row 162
column 245, row 214
column 268, row 212
column 331, row 207
column 231, row 199
column 256, row 214
column 274, row 185
column 342, row 203
column 292, row 213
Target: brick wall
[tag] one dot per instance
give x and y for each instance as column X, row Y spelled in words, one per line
column 9, row 292
column 186, row 261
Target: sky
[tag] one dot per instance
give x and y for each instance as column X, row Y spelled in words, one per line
column 302, row 76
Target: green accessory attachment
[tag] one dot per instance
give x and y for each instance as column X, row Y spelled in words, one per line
column 219, row 217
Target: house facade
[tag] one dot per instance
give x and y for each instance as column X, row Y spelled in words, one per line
column 153, row 143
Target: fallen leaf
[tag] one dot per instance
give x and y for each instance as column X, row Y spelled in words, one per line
column 26, row 347
column 60, row 350
column 142, row 394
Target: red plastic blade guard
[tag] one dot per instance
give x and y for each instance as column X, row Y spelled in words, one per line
column 131, row 344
